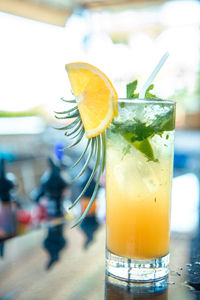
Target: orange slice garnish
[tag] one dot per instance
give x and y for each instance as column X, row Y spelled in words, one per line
column 95, row 95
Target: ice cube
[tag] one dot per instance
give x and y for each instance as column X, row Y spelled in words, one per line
column 148, row 175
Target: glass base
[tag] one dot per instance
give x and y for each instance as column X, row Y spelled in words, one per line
column 135, row 270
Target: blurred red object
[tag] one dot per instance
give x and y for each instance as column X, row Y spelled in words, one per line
column 23, row 216
column 39, row 214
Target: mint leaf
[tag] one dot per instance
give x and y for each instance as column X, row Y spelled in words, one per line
column 135, row 130
column 130, row 90
column 148, row 94
column 164, row 122
column 126, row 150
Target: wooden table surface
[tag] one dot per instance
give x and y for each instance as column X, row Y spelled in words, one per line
column 79, row 274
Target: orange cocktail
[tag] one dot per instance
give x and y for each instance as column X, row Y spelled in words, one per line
column 138, row 182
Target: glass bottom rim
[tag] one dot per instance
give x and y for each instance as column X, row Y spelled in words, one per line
column 136, row 270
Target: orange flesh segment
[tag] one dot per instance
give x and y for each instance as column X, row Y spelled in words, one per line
column 95, row 95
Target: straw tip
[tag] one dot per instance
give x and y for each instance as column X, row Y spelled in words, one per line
column 166, row 54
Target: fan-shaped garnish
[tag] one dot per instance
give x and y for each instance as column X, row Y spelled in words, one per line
column 95, row 105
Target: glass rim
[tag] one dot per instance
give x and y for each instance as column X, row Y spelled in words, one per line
column 146, row 101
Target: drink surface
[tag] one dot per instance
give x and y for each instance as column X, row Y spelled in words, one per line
column 138, row 180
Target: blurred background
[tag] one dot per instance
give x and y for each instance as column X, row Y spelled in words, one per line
column 125, row 39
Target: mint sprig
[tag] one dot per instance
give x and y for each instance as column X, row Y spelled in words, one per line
column 138, row 133
column 131, row 91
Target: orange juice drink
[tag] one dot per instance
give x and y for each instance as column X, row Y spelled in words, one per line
column 139, row 163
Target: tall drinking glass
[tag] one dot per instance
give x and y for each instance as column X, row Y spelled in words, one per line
column 139, row 167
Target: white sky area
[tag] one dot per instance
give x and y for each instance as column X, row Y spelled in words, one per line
column 33, row 54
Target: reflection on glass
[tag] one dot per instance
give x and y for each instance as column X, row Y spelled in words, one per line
column 54, row 243
column 121, row 290
column 193, row 268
